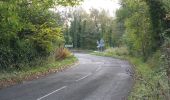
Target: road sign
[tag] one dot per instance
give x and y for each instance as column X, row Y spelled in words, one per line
column 69, row 46
column 101, row 42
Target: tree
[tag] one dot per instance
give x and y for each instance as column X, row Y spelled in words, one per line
column 28, row 31
column 138, row 35
column 86, row 29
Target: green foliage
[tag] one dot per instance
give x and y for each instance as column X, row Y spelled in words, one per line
column 47, row 39
column 156, row 60
column 29, row 32
column 166, row 53
column 86, row 29
column 151, row 79
column 118, row 51
column 159, row 13
column 143, row 25
column 145, row 31
column 154, row 87
column 138, row 29
column 68, row 2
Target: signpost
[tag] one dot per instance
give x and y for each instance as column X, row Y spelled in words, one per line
column 100, row 45
column 68, row 46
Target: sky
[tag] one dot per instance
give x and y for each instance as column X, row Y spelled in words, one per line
column 108, row 5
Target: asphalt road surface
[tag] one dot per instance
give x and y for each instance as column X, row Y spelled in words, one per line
column 94, row 78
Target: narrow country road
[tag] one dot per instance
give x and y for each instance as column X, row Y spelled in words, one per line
column 94, row 78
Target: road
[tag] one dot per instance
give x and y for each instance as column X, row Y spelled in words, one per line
column 94, row 78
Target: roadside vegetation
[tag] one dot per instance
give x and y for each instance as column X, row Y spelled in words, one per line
column 146, row 35
column 151, row 81
column 144, row 40
column 14, row 76
column 31, row 39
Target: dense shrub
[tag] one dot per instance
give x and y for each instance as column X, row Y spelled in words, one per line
column 156, row 60
column 28, row 33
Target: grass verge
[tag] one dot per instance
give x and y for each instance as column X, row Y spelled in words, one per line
column 150, row 83
column 8, row 78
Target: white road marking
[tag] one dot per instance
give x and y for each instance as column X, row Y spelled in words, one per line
column 83, row 77
column 51, row 93
column 99, row 68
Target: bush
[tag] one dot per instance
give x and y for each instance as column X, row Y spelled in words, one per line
column 62, row 53
column 151, row 79
column 156, row 60
column 120, row 51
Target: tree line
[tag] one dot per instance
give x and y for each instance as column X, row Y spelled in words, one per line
column 146, row 25
column 145, row 31
column 29, row 31
column 86, row 28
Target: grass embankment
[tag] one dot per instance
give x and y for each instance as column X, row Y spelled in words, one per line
column 12, row 77
column 150, row 81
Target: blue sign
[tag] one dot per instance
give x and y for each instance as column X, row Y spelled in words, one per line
column 101, row 42
column 100, row 45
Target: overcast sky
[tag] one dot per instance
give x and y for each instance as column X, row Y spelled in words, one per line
column 108, row 5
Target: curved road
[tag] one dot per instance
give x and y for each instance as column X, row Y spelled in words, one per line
column 94, row 78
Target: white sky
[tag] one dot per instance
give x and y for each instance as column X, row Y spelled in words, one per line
column 108, row 5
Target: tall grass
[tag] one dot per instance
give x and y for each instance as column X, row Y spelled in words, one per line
column 62, row 53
